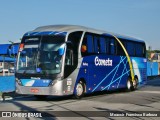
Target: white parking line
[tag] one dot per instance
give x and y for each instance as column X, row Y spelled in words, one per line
column 155, row 92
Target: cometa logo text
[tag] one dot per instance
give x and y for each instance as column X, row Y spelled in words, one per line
column 102, row 62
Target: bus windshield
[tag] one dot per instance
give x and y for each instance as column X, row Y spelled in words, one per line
column 40, row 55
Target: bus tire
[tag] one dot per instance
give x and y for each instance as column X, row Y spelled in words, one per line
column 40, row 97
column 129, row 85
column 135, row 85
column 80, row 89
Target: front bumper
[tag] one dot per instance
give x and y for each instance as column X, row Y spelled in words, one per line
column 56, row 90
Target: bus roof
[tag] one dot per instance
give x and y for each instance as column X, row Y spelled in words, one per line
column 71, row 28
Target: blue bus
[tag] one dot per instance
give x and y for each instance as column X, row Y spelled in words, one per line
column 75, row 60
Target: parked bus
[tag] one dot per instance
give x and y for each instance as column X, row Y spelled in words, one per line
column 63, row 60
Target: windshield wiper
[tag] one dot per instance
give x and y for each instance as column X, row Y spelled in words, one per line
column 27, row 68
column 34, row 61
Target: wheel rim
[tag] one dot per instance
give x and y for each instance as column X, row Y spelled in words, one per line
column 79, row 89
column 128, row 84
column 134, row 83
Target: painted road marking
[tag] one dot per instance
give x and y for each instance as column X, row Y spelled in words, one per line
column 155, row 92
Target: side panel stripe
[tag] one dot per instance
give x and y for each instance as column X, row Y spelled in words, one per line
column 116, row 80
column 109, row 74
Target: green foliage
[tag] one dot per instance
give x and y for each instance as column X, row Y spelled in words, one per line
column 156, row 51
column 153, row 51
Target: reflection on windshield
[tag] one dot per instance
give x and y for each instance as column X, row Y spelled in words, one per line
column 41, row 56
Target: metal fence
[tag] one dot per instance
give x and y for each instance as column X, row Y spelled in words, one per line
column 152, row 68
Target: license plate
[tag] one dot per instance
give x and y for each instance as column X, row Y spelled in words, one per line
column 34, row 90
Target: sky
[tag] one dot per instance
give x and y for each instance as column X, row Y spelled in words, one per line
column 136, row 18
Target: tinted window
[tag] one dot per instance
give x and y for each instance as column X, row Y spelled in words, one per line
column 96, row 44
column 112, row 46
column 135, row 49
column 90, row 44
column 140, row 50
column 130, row 48
column 103, row 46
column 120, row 50
column 72, row 50
column 75, row 40
column 87, row 44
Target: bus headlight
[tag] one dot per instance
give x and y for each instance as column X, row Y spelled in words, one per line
column 54, row 82
column 18, row 81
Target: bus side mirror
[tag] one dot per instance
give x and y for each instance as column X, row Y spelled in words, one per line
column 61, row 50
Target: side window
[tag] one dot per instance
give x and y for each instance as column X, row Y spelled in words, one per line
column 90, row 44
column 120, row 50
column 107, row 45
column 131, row 48
column 75, row 39
column 87, row 45
column 103, row 46
column 96, row 44
column 136, row 49
column 139, row 50
column 112, row 46
column 144, row 50
column 84, row 46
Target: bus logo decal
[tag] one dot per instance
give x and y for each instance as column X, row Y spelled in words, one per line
column 103, row 62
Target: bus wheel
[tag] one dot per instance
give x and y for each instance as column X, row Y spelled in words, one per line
column 135, row 84
column 80, row 90
column 129, row 85
column 40, row 97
